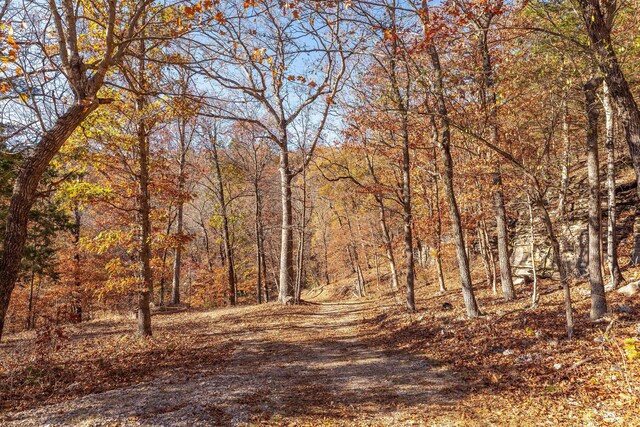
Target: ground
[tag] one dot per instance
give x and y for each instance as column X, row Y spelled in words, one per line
column 331, row 361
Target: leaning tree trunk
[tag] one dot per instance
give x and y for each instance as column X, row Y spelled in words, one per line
column 458, row 234
column 598, row 17
column 444, row 146
column 24, row 196
column 612, row 244
column 598, row 301
column 564, row 279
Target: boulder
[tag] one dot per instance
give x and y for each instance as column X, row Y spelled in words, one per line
column 630, row 289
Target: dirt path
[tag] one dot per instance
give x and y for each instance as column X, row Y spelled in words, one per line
column 314, row 366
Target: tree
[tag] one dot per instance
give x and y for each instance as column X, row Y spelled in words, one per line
column 226, row 236
column 598, row 301
column 441, row 124
column 598, row 17
column 269, row 64
column 609, row 145
column 83, row 70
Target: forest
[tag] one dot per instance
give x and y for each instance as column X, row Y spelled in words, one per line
column 311, row 212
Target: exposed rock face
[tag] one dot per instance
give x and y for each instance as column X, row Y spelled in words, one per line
column 573, row 235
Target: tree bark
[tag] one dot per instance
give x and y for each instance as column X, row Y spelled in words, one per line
column 564, row 174
column 444, row 146
column 24, row 196
column 564, row 279
column 438, row 243
column 258, row 231
column 612, row 243
column 598, row 301
column 226, row 237
column 506, row 279
column 598, row 19
column 286, row 242
column 146, row 290
column 177, row 260
column 532, row 248
column 406, row 216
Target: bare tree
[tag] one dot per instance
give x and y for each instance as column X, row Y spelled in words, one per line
column 267, row 65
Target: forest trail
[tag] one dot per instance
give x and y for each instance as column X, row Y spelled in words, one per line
column 315, row 365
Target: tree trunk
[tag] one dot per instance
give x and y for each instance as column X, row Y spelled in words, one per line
column 456, row 224
column 301, row 241
column 492, row 261
column 258, row 231
column 612, row 244
column 532, row 248
column 30, row 307
column 264, row 265
column 598, row 18
column 144, row 313
column 146, row 290
column 226, row 236
column 564, row 280
column 286, row 242
column 325, row 255
column 506, row 279
column 77, row 274
column 598, row 301
column 564, row 177
column 24, row 195
column 384, row 228
column 352, row 249
column 444, row 146
column 406, row 215
column 177, row 260
column 438, row 240
column 484, row 255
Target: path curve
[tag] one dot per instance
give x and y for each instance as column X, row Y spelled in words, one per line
column 315, row 366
